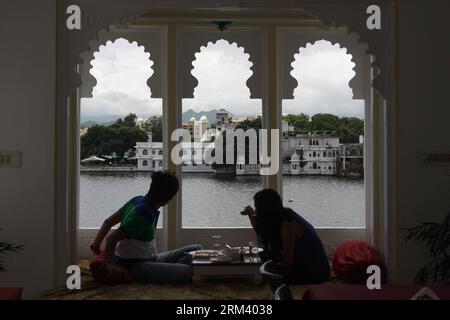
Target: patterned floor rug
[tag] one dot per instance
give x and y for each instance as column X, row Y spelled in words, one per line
column 242, row 289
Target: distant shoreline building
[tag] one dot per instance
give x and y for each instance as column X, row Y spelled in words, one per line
column 83, row 131
column 149, row 156
column 315, row 153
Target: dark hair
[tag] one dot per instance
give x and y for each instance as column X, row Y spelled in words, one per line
column 270, row 215
column 163, row 187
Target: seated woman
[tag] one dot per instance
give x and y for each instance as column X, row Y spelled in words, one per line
column 288, row 240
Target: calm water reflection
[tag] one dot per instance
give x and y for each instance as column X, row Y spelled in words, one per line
column 215, row 201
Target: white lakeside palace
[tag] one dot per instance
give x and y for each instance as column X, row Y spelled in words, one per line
column 315, row 153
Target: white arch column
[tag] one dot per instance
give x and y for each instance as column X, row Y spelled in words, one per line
column 171, row 121
column 272, row 103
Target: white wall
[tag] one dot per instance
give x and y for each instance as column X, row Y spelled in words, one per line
column 424, row 119
column 27, row 124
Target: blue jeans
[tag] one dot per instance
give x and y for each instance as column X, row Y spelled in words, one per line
column 167, row 267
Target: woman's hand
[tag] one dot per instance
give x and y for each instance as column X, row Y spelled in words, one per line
column 248, row 211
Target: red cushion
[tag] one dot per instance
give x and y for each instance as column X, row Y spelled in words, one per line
column 100, row 274
column 11, row 293
column 351, row 259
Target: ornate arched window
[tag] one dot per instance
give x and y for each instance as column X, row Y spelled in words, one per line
column 223, row 69
column 323, row 77
column 284, row 51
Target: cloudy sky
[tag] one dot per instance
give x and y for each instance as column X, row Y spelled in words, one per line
column 122, row 69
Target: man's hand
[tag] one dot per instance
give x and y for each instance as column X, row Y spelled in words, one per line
column 104, row 229
column 248, row 211
column 115, row 270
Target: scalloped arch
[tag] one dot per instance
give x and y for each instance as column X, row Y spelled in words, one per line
column 80, row 46
column 330, row 12
column 88, row 81
column 191, row 40
column 213, row 43
column 294, row 40
column 352, row 17
column 351, row 83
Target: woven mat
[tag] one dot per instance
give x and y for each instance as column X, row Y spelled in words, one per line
column 242, row 289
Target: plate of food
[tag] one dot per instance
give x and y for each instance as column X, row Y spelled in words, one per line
column 204, row 254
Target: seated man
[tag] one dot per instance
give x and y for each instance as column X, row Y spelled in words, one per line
column 133, row 246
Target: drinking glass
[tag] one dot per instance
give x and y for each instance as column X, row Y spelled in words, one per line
column 217, row 242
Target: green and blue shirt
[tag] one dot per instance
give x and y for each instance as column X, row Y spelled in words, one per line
column 139, row 219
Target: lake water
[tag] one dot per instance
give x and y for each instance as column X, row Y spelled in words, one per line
column 215, row 201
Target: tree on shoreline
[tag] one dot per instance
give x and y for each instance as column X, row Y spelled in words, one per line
column 347, row 128
column 119, row 137
column 154, row 125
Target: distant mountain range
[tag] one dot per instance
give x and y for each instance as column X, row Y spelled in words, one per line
column 107, row 119
column 104, row 119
